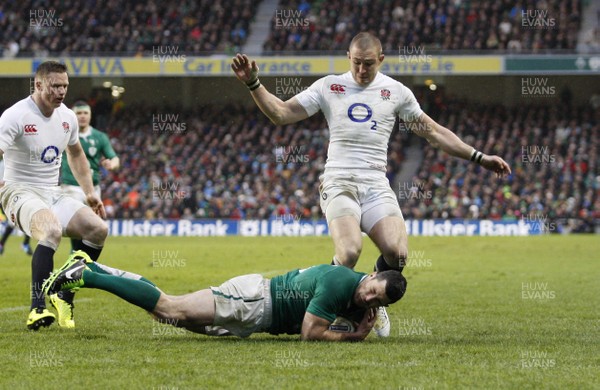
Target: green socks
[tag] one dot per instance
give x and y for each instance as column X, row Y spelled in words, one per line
column 137, row 292
column 106, row 270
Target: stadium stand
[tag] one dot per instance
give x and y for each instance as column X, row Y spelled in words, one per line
column 436, row 26
column 553, row 151
column 33, row 28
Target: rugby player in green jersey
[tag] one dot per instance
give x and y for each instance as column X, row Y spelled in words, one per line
column 304, row 301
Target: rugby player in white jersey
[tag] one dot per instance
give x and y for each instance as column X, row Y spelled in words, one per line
column 361, row 107
column 34, row 132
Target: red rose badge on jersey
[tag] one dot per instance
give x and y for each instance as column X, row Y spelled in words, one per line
column 385, row 94
column 66, row 127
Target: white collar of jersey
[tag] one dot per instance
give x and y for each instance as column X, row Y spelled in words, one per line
column 87, row 133
column 34, row 104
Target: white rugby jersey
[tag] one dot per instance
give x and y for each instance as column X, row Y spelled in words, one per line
column 360, row 119
column 33, row 144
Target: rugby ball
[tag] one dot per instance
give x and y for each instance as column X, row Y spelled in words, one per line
column 342, row 325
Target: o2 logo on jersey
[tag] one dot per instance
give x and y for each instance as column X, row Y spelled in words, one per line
column 360, row 112
column 49, row 155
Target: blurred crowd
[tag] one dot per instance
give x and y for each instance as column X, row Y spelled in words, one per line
column 524, row 26
column 37, row 28
column 552, row 149
column 231, row 162
column 124, row 27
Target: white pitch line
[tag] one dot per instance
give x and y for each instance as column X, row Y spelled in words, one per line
column 19, row 308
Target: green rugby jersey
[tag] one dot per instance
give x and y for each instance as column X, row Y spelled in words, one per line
column 96, row 145
column 323, row 290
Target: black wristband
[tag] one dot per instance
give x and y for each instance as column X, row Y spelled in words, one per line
column 252, row 85
column 476, row 156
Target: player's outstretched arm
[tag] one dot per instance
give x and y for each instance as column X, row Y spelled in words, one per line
column 278, row 111
column 440, row 137
column 315, row 328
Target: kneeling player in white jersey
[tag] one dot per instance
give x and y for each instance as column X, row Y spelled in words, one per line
column 33, row 134
column 361, row 107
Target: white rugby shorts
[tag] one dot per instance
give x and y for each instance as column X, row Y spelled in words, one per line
column 243, row 305
column 20, row 202
column 364, row 194
column 76, row 192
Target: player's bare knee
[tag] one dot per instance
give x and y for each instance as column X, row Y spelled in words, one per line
column 348, row 255
column 102, row 231
column 49, row 232
column 96, row 233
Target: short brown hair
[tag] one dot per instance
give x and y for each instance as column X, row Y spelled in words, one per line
column 48, row 67
column 365, row 40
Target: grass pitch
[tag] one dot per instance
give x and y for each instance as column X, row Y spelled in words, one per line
column 509, row 313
